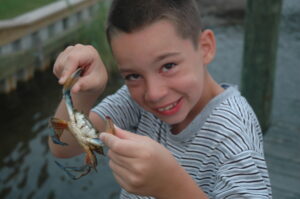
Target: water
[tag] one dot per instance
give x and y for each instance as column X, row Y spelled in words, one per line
column 27, row 168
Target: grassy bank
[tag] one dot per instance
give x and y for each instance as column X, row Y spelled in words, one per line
column 13, row 8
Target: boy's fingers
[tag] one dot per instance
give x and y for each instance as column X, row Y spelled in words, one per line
column 114, row 143
column 108, row 139
column 123, row 134
column 70, row 61
column 77, row 87
column 86, row 82
column 69, row 68
column 123, row 147
column 119, row 161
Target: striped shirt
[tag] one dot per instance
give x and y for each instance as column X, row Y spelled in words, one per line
column 221, row 148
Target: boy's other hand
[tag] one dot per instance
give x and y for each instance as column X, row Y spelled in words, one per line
column 94, row 78
column 140, row 164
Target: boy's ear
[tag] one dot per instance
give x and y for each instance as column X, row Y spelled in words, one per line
column 207, row 43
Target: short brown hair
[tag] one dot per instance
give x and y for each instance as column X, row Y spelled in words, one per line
column 131, row 15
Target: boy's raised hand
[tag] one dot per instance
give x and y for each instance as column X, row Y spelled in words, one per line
column 94, row 78
column 144, row 167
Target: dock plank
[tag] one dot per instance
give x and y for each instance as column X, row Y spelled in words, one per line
column 282, row 152
column 283, row 166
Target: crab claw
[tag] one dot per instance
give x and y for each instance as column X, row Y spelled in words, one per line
column 109, row 128
column 96, row 142
column 55, row 138
column 58, row 126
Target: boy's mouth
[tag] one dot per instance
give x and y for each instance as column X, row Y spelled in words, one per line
column 171, row 108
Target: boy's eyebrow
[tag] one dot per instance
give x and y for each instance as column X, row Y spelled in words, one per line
column 125, row 70
column 157, row 59
column 163, row 56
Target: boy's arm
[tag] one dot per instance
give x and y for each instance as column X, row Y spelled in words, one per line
column 243, row 175
column 84, row 93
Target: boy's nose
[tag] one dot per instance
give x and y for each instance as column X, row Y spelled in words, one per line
column 155, row 91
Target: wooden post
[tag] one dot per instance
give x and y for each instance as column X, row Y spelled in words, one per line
column 260, row 48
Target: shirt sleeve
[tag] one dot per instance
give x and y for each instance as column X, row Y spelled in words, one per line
column 124, row 112
column 243, row 176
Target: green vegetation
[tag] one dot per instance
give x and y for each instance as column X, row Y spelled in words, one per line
column 13, row 8
column 94, row 34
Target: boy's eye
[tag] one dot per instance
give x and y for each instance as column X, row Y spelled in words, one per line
column 132, row 77
column 168, row 67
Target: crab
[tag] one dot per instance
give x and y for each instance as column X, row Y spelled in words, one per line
column 81, row 128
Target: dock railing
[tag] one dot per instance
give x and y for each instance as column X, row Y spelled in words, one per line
column 31, row 41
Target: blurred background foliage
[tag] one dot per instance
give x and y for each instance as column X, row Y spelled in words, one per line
column 93, row 34
column 13, row 8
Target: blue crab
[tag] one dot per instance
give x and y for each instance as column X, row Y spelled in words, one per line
column 81, row 128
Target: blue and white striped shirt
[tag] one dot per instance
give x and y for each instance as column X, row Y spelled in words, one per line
column 221, row 148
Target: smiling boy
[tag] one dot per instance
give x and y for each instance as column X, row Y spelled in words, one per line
column 181, row 134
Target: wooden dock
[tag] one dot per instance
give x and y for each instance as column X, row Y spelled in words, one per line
column 282, row 150
column 31, row 41
column 282, row 140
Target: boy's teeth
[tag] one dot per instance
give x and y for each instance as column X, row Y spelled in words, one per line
column 167, row 107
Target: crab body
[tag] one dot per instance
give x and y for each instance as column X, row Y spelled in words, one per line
column 81, row 128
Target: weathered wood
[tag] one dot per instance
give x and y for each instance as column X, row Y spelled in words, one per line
column 26, row 62
column 261, row 38
column 287, row 184
column 286, row 166
column 282, row 148
column 12, row 63
column 13, row 29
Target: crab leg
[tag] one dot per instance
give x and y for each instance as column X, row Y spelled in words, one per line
column 58, row 126
column 90, row 162
column 84, row 170
column 67, row 92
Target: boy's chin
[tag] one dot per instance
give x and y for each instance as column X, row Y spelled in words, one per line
column 171, row 120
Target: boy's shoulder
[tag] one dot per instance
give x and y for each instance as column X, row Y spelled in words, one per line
column 233, row 123
column 232, row 104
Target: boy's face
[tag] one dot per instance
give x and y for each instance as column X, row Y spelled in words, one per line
column 165, row 74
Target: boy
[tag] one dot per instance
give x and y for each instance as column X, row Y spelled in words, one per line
column 192, row 137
